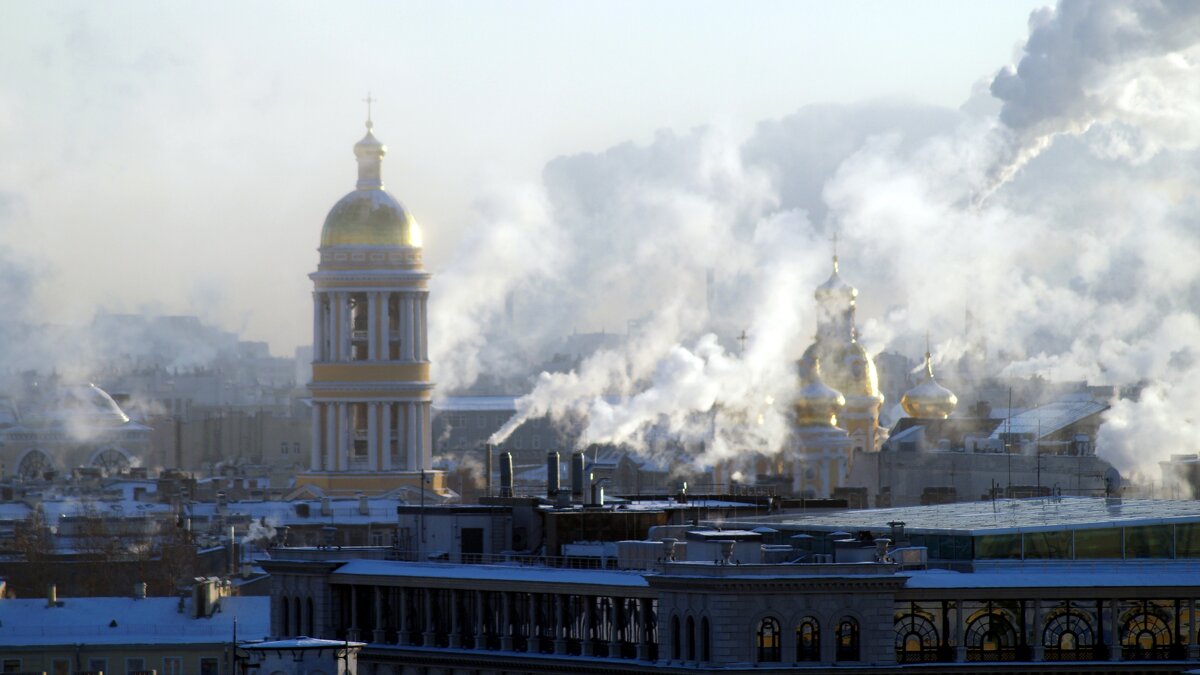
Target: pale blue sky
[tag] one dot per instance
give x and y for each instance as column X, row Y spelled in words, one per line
column 181, row 156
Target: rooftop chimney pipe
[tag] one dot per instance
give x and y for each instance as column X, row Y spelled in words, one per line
column 488, row 451
column 577, row 476
column 506, row 474
column 552, row 474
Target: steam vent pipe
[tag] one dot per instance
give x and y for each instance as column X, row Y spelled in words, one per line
column 506, row 475
column 577, row 476
column 488, row 451
column 552, row 484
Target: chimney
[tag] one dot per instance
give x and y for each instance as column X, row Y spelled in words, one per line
column 364, row 506
column 552, row 474
column 506, row 475
column 488, row 450
column 139, row 590
column 51, row 595
column 232, row 550
column 577, row 477
column 597, row 498
column 326, row 507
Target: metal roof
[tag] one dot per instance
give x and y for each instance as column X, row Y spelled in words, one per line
column 1002, row 516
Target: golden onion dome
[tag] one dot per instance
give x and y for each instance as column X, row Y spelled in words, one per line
column 370, row 216
column 848, row 367
column 816, row 404
column 929, row 400
column 835, row 288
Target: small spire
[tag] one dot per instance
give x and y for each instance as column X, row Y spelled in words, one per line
column 368, row 100
column 835, row 256
column 928, row 357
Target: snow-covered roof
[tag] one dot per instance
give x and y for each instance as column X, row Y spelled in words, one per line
column 343, row 511
column 1048, row 419
column 519, row 573
column 54, row 509
column 506, row 404
column 25, row 622
column 302, row 642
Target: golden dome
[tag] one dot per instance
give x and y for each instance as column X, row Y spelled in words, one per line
column 817, row 404
column 929, row 400
column 849, row 367
column 370, row 216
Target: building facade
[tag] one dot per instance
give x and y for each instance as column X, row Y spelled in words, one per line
column 1100, row 587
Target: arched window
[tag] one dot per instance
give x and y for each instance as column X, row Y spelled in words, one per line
column 1146, row 635
column 916, row 637
column 768, row 641
column 311, row 621
column 1069, row 636
column 991, row 637
column 297, row 608
column 287, row 617
column 705, row 652
column 808, row 640
column 847, row 639
column 676, row 638
column 691, row 639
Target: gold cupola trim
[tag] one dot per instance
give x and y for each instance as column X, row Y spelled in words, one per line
column 929, row 400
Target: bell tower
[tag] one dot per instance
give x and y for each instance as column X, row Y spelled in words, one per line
column 371, row 390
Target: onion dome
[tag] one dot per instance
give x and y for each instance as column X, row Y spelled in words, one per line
column 929, row 400
column 370, row 216
column 835, row 289
column 817, row 404
column 848, row 366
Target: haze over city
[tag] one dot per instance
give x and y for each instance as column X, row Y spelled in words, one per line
column 598, row 166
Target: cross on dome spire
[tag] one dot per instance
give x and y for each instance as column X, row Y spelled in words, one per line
column 368, row 100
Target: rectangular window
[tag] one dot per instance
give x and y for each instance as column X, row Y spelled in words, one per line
column 98, row 665
column 1150, row 541
column 998, row 547
column 1048, row 545
column 134, row 665
column 60, row 667
column 172, row 665
column 1187, row 540
column 1100, row 544
column 210, row 666
column 12, row 665
column 283, row 447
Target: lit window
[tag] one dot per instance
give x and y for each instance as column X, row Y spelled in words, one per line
column 768, row 640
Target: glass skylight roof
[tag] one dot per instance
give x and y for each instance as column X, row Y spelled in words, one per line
column 991, row 517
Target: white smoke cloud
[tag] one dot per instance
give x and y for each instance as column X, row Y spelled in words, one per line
column 1129, row 67
column 1081, row 270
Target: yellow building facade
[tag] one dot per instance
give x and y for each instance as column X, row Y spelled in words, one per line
column 371, row 387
